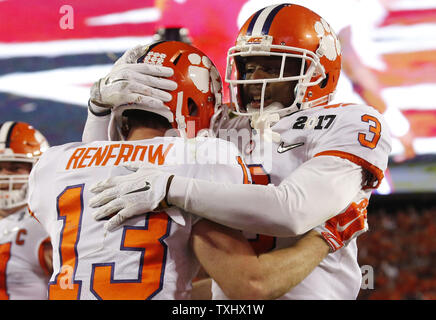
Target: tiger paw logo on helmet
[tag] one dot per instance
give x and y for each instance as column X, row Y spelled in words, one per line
column 329, row 46
column 201, row 70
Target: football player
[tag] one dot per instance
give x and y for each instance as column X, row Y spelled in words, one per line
column 152, row 256
column 25, row 249
column 326, row 159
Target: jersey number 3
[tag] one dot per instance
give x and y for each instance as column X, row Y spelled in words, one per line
column 374, row 128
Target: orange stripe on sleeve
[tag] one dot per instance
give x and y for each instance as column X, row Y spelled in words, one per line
column 377, row 174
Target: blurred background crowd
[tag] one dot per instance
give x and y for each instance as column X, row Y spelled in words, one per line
column 400, row 248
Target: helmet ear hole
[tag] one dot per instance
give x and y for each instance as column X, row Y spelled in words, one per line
column 192, row 108
column 324, row 82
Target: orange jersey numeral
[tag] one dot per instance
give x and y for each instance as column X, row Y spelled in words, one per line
column 70, row 210
column 261, row 243
column 149, row 241
column 258, row 174
column 375, row 129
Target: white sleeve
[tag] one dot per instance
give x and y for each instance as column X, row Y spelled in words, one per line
column 96, row 128
column 316, row 191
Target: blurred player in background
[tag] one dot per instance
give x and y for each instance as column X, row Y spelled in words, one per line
column 25, row 250
column 326, row 159
column 150, row 256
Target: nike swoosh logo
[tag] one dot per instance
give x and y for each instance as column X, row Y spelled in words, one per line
column 282, row 148
column 344, row 227
column 145, row 188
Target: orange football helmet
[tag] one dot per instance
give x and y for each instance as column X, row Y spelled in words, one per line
column 19, row 142
column 288, row 31
column 197, row 97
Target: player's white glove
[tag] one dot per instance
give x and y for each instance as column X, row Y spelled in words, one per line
column 130, row 195
column 130, row 82
column 341, row 229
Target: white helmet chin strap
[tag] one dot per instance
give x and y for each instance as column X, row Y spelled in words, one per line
column 262, row 119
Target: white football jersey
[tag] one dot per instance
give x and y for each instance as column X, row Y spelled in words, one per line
column 356, row 133
column 149, row 257
column 23, row 273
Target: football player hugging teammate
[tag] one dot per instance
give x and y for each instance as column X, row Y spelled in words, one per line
column 325, row 159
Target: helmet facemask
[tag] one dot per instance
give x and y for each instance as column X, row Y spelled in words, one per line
column 13, row 191
column 311, row 73
column 13, row 187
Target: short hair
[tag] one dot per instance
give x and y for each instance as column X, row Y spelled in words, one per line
column 140, row 118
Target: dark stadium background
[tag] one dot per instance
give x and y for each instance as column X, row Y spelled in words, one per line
column 47, row 65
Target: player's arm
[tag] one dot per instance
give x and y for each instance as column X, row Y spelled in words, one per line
column 96, row 126
column 316, row 191
column 227, row 257
column 201, row 286
column 202, row 289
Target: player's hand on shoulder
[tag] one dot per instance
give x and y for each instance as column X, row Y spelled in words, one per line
column 130, row 82
column 122, row 197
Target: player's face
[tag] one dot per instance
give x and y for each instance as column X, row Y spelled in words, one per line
column 11, row 168
column 263, row 67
